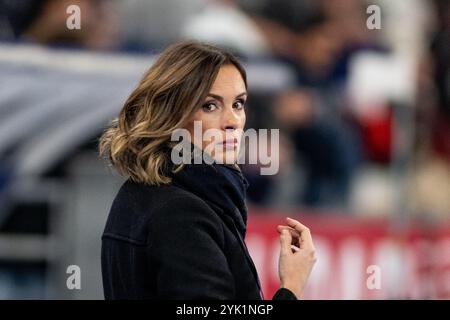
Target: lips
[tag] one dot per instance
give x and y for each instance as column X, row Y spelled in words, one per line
column 230, row 143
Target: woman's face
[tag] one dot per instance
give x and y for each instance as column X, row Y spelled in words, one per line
column 222, row 117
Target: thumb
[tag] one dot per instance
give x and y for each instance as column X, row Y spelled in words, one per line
column 285, row 242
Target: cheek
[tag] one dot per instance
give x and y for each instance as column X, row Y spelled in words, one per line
column 207, row 121
column 243, row 119
column 198, row 116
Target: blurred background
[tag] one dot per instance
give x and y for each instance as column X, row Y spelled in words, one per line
column 359, row 90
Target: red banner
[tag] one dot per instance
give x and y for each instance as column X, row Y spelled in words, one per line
column 358, row 258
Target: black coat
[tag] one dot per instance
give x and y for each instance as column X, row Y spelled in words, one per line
column 183, row 240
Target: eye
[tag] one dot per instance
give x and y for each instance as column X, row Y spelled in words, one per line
column 239, row 104
column 209, row 107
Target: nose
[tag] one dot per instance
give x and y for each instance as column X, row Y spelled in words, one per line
column 230, row 119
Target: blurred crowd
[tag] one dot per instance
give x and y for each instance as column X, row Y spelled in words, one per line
column 369, row 109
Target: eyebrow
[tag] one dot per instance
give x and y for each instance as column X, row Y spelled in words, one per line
column 215, row 96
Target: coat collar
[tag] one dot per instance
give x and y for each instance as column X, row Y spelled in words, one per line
column 220, row 185
column 223, row 187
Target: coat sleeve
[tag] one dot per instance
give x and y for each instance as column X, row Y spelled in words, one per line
column 186, row 251
column 284, row 294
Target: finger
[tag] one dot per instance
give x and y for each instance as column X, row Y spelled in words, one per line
column 293, row 232
column 305, row 234
column 295, row 235
column 285, row 242
column 295, row 224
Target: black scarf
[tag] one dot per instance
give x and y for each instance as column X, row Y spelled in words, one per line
column 220, row 184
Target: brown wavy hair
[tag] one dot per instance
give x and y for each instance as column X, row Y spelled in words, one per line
column 174, row 87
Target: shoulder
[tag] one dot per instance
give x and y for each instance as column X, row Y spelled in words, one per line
column 147, row 196
column 182, row 206
column 185, row 215
column 160, row 202
column 140, row 210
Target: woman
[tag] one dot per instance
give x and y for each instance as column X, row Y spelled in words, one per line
column 176, row 231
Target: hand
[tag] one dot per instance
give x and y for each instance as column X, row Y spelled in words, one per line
column 297, row 256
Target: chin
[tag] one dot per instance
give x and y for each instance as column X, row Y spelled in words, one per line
column 227, row 157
